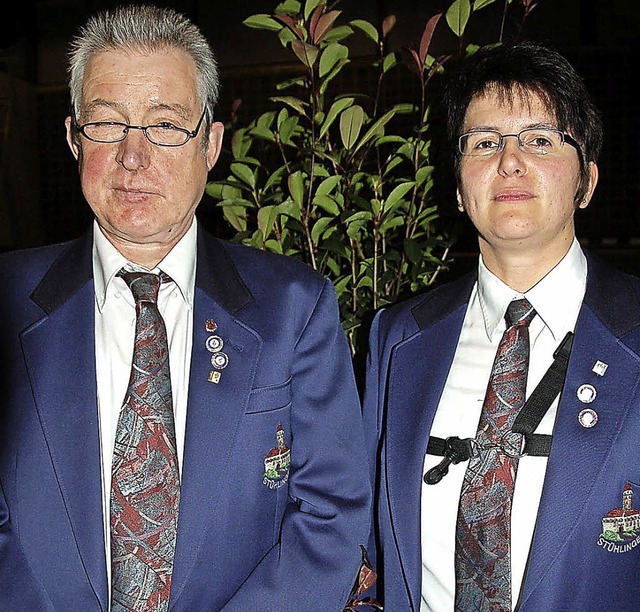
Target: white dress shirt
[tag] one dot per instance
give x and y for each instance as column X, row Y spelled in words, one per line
column 557, row 299
column 115, row 319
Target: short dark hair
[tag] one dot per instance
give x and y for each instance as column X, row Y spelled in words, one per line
column 523, row 69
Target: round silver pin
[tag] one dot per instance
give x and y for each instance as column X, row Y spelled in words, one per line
column 219, row 360
column 588, row 417
column 586, row 393
column 214, row 344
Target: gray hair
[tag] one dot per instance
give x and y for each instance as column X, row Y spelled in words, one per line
column 148, row 29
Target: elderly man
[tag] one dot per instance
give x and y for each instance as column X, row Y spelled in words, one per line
column 180, row 426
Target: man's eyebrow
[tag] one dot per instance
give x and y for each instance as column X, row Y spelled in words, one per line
column 101, row 103
column 181, row 110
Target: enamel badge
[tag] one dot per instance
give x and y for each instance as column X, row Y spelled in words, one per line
column 621, row 526
column 277, row 461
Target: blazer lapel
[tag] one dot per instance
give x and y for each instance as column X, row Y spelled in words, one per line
column 610, row 312
column 59, row 356
column 418, row 372
column 215, row 405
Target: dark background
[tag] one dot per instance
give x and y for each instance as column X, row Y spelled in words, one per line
column 40, row 199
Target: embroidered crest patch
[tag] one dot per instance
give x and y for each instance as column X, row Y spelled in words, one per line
column 277, row 461
column 621, row 526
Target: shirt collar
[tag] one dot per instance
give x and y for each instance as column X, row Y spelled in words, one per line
column 556, row 297
column 179, row 264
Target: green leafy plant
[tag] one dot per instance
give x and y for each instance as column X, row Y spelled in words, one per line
column 343, row 179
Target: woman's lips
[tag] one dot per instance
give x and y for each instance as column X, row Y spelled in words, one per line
column 513, row 195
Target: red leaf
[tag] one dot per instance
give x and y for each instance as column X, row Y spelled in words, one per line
column 425, row 41
column 313, row 21
column 291, row 24
column 324, row 24
column 387, row 25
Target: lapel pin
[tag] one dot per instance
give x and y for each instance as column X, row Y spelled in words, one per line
column 219, row 361
column 586, row 393
column 214, row 344
column 588, row 418
column 599, row 368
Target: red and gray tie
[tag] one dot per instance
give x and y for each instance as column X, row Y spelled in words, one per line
column 483, row 530
column 145, row 482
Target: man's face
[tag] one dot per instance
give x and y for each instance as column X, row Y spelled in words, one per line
column 520, row 203
column 144, row 196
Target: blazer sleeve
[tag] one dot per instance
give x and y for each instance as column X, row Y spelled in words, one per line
column 316, row 562
column 19, row 589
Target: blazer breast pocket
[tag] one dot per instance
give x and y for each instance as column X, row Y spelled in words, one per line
column 270, row 398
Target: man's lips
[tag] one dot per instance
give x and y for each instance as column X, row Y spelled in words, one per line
column 133, row 193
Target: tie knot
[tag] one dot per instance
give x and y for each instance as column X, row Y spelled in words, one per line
column 519, row 311
column 144, row 285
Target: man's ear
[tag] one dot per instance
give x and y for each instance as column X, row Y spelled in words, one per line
column 459, row 199
column 71, row 138
column 593, row 181
column 216, row 133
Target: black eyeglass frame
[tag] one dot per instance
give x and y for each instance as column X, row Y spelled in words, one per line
column 565, row 138
column 125, row 131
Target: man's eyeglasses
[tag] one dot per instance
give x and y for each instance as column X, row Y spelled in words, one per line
column 539, row 141
column 164, row 134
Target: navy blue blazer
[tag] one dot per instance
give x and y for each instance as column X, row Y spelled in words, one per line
column 585, row 553
column 253, row 534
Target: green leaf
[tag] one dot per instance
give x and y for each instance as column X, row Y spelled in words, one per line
column 305, row 52
column 478, row 4
column 286, row 37
column 351, row 121
column 296, row 188
column 244, row 173
column 335, row 71
column 338, row 33
column 309, row 7
column 423, row 173
column 236, row 217
column 295, row 103
column 261, row 132
column 288, row 7
column 327, row 204
column 286, row 129
column 367, row 28
column 319, row 227
column 331, row 55
column 262, row 22
column 328, row 185
column 458, row 16
column 266, row 119
column 240, row 143
column 377, row 128
column 391, row 223
column 397, row 194
column 413, row 250
column 267, row 216
column 361, row 215
column 390, row 60
column 336, row 108
column 274, row 178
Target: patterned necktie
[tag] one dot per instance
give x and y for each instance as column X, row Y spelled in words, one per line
column 483, row 530
column 145, row 483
